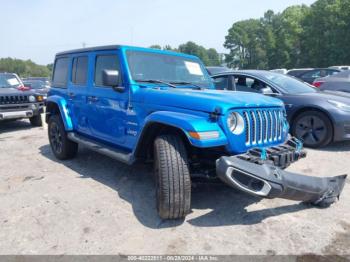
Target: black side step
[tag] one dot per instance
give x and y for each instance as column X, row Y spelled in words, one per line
column 126, row 158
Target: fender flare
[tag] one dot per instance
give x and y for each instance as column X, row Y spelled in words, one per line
column 187, row 123
column 61, row 103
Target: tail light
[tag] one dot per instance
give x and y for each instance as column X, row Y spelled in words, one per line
column 317, row 83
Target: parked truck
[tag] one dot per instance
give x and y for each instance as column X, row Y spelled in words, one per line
column 133, row 103
column 18, row 102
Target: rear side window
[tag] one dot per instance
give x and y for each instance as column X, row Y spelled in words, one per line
column 105, row 62
column 312, row 74
column 221, row 83
column 79, row 70
column 60, row 74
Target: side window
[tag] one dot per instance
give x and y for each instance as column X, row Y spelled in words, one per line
column 312, row 74
column 60, row 74
column 103, row 62
column 79, row 70
column 331, row 72
column 221, row 83
column 247, row 84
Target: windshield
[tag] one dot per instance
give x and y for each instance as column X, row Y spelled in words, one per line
column 145, row 66
column 9, row 80
column 35, row 84
column 289, row 85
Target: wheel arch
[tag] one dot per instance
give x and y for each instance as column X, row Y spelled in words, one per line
column 58, row 105
column 151, row 131
column 162, row 122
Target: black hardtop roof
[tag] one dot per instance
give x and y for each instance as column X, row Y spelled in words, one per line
column 89, row 49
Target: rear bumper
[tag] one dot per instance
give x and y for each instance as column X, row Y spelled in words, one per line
column 265, row 179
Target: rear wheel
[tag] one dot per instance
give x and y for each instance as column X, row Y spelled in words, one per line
column 61, row 146
column 173, row 183
column 313, row 128
column 36, row 120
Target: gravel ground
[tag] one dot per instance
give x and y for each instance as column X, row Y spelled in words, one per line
column 95, row 205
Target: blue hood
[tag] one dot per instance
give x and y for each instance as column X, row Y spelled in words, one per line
column 207, row 100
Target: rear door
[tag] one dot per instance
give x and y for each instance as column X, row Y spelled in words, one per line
column 107, row 107
column 78, row 91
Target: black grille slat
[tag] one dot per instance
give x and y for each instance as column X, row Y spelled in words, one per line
column 19, row 99
column 253, row 128
column 246, row 123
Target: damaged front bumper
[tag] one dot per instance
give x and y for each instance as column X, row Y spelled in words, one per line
column 260, row 173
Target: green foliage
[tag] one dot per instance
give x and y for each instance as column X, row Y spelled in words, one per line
column 155, row 47
column 210, row 57
column 24, row 68
column 300, row 36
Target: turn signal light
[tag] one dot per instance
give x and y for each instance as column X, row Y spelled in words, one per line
column 204, row 135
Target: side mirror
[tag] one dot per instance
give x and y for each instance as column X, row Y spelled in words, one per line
column 111, row 78
column 267, row 91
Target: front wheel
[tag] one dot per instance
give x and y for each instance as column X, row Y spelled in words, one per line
column 36, row 120
column 173, row 183
column 61, row 146
column 313, row 128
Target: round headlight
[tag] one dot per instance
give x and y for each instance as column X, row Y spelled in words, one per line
column 232, row 122
column 31, row 99
column 235, row 123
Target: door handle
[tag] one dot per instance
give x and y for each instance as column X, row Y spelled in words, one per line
column 92, row 98
column 71, row 94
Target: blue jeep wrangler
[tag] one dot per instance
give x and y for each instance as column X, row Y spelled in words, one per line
column 134, row 103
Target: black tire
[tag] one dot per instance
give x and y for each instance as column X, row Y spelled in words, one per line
column 36, row 120
column 173, row 182
column 314, row 128
column 61, row 146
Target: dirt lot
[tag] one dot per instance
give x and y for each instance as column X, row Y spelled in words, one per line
column 95, row 205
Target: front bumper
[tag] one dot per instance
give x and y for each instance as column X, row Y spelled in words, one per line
column 264, row 178
column 14, row 111
column 16, row 114
column 342, row 131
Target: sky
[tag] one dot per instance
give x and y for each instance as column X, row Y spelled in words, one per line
column 38, row 29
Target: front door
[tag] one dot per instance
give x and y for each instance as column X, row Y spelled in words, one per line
column 107, row 108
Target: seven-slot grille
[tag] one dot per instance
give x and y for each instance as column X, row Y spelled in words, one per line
column 263, row 126
column 13, row 99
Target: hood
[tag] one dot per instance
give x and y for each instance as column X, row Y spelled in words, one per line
column 207, row 100
column 330, row 95
column 42, row 91
column 14, row 92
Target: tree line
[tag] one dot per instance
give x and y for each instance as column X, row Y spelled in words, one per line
column 300, row 36
column 24, row 68
column 210, row 57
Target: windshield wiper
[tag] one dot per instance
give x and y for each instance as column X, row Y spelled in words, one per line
column 188, row 83
column 154, row 81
